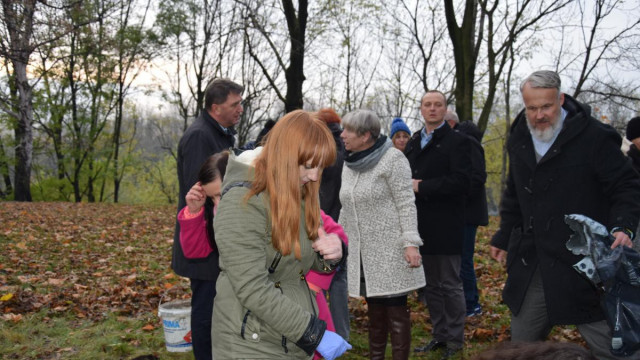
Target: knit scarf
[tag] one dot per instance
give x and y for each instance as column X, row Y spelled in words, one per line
column 366, row 159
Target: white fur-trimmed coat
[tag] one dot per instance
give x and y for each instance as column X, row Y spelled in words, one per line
column 379, row 216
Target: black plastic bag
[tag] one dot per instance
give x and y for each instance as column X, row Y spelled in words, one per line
column 617, row 272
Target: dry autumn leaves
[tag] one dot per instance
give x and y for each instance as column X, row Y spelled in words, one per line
column 94, row 260
column 88, row 259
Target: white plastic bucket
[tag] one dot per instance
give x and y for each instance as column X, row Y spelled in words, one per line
column 176, row 320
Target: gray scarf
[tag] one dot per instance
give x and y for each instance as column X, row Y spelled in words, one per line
column 366, row 159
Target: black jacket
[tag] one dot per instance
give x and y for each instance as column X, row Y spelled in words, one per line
column 634, row 155
column 476, row 212
column 332, row 178
column 202, row 139
column 584, row 172
column 444, row 166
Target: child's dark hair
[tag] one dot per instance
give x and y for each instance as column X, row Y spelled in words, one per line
column 212, row 169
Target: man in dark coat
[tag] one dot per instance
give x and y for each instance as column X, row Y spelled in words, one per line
column 476, row 212
column 210, row 133
column 561, row 161
column 441, row 170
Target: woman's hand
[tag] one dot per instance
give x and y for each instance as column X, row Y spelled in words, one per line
column 412, row 255
column 328, row 245
column 195, row 198
column 415, row 184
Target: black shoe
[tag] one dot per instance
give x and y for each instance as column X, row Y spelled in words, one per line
column 449, row 353
column 433, row 345
column 476, row 311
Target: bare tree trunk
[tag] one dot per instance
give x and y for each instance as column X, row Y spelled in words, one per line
column 507, row 120
column 24, row 135
column 4, row 171
column 127, row 56
column 465, row 50
column 295, row 72
column 18, row 19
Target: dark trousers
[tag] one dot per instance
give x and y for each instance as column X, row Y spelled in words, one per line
column 445, row 298
column 202, row 294
column 531, row 323
column 339, row 302
column 467, row 271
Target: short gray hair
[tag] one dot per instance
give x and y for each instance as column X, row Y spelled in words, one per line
column 362, row 122
column 545, row 79
column 451, row 115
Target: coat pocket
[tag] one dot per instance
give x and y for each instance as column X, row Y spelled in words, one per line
column 521, row 247
column 250, row 329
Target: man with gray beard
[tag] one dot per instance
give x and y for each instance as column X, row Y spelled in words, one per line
column 561, row 161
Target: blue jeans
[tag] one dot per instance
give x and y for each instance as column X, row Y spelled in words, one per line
column 467, row 271
column 202, row 294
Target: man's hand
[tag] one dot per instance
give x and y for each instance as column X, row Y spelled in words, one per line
column 328, row 245
column 498, row 254
column 621, row 239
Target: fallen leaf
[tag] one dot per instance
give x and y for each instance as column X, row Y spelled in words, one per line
column 482, row 334
column 25, row 279
column 56, row 282
column 148, row 327
column 12, row 317
column 6, row 297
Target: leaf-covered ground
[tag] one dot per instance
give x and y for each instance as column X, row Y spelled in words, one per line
column 103, row 268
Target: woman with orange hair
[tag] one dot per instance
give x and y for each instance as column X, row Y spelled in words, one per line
column 269, row 234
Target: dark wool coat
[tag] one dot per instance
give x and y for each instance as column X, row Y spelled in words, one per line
column 332, row 178
column 584, row 172
column 444, row 166
column 634, row 155
column 202, row 139
column 476, row 212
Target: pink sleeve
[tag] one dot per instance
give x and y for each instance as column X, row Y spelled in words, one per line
column 193, row 235
column 323, row 280
column 332, row 227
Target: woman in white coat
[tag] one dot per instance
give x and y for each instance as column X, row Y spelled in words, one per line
column 379, row 216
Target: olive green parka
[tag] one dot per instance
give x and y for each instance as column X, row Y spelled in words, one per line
column 259, row 313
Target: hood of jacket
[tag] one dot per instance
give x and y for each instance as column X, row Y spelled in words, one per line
column 240, row 167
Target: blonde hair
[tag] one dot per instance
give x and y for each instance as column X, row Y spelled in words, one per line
column 297, row 138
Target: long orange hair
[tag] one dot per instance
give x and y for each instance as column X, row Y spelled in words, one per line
column 297, row 138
